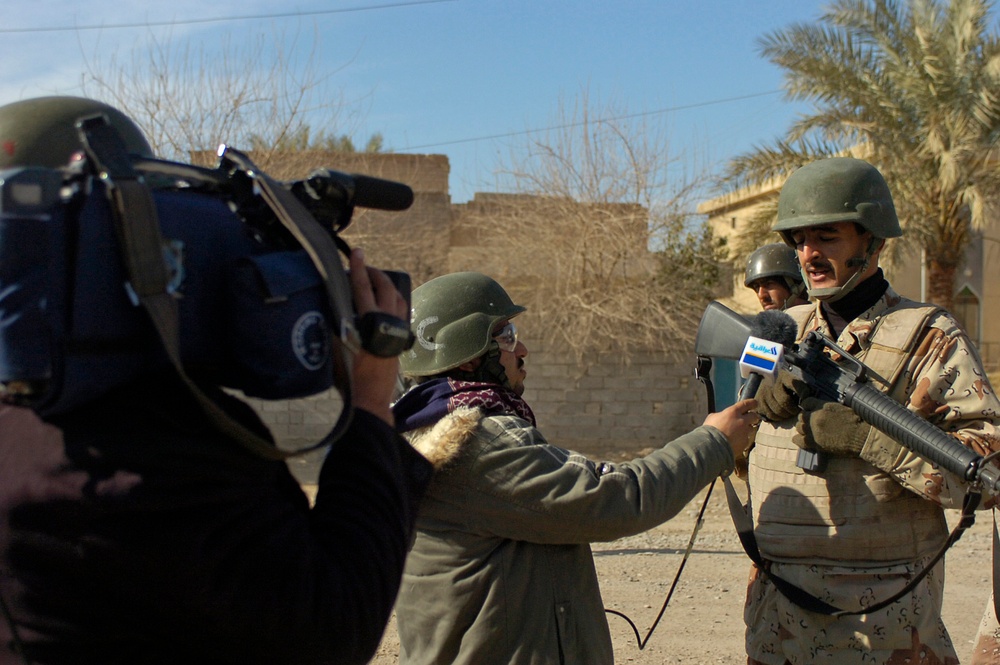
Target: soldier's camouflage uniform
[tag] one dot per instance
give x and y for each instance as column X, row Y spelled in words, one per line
column 855, row 533
column 987, row 648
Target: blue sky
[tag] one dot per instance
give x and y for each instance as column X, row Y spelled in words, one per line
column 442, row 76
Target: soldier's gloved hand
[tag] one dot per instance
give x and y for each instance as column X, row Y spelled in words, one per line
column 779, row 400
column 831, row 428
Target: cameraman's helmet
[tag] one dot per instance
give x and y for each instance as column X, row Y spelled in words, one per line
column 42, row 131
column 838, row 189
column 774, row 260
column 453, row 320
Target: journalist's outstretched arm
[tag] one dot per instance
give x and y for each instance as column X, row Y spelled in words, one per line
column 131, row 531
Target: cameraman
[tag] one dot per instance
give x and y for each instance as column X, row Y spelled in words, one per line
column 133, row 531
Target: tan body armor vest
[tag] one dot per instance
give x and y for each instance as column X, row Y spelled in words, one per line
column 852, row 513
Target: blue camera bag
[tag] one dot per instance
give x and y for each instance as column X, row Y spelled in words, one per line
column 71, row 328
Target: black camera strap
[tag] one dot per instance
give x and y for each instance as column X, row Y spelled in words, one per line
column 322, row 248
column 138, row 229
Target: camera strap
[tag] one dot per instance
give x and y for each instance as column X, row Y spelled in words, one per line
column 141, row 243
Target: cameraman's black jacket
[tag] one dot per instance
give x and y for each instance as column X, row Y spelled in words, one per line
column 144, row 536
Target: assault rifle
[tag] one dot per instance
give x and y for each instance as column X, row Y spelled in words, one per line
column 723, row 333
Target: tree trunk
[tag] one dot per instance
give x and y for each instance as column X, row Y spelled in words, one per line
column 941, row 282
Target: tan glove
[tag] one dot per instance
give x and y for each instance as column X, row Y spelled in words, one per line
column 779, row 400
column 831, row 428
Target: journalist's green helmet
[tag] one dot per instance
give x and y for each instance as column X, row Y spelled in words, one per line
column 838, row 189
column 42, row 131
column 773, row 260
column 453, row 320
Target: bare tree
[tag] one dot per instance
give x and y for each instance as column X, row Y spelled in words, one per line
column 188, row 97
column 596, row 239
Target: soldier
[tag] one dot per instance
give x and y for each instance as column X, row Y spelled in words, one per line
column 854, row 532
column 773, row 275
column 501, row 570
column 987, row 647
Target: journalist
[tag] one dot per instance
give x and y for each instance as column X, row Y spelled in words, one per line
column 133, row 532
column 501, row 570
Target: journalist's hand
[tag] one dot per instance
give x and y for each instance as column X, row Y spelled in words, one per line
column 737, row 423
column 831, row 428
column 374, row 377
column 779, row 399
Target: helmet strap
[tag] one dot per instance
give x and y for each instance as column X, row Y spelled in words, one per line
column 835, row 293
column 489, row 369
column 796, row 290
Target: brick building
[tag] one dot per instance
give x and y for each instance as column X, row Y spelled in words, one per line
column 593, row 406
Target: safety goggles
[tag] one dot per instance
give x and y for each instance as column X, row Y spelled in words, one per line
column 506, row 339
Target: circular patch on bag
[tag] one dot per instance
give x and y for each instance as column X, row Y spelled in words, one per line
column 311, row 340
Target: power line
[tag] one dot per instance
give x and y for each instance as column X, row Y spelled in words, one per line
column 523, row 132
column 220, row 19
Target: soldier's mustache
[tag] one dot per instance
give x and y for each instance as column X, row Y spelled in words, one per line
column 818, row 265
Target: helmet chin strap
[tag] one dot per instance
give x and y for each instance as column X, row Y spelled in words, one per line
column 489, row 370
column 795, row 289
column 835, row 293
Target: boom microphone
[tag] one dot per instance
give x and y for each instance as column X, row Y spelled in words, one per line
column 372, row 192
column 360, row 190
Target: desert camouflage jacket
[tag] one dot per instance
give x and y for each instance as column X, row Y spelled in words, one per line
column 943, row 381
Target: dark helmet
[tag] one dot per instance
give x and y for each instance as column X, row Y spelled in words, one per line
column 838, row 189
column 453, row 320
column 42, row 131
column 774, row 260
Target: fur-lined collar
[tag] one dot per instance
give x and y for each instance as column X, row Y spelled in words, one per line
column 441, row 442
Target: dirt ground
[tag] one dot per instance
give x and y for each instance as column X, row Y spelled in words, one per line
column 704, row 622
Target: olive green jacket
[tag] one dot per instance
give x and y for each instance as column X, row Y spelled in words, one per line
column 501, row 570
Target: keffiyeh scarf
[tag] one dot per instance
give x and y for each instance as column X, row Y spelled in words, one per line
column 429, row 402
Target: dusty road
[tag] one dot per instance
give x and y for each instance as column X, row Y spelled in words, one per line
column 704, row 621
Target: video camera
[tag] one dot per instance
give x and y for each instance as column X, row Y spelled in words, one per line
column 723, row 333
column 114, row 266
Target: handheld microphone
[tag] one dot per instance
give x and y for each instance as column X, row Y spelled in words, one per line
column 770, row 332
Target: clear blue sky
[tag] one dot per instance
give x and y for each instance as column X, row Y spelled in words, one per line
column 441, row 77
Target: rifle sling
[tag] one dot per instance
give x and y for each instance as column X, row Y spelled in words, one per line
column 743, row 520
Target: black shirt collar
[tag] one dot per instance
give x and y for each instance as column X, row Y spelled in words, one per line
column 861, row 297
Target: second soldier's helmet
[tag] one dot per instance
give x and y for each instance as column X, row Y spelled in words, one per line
column 453, row 320
column 42, row 131
column 774, row 260
column 838, row 189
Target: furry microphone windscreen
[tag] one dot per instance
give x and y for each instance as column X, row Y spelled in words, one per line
column 774, row 326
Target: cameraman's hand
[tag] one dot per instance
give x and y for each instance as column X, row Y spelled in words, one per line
column 737, row 423
column 374, row 377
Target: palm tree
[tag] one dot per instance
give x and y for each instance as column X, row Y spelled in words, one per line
column 915, row 86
